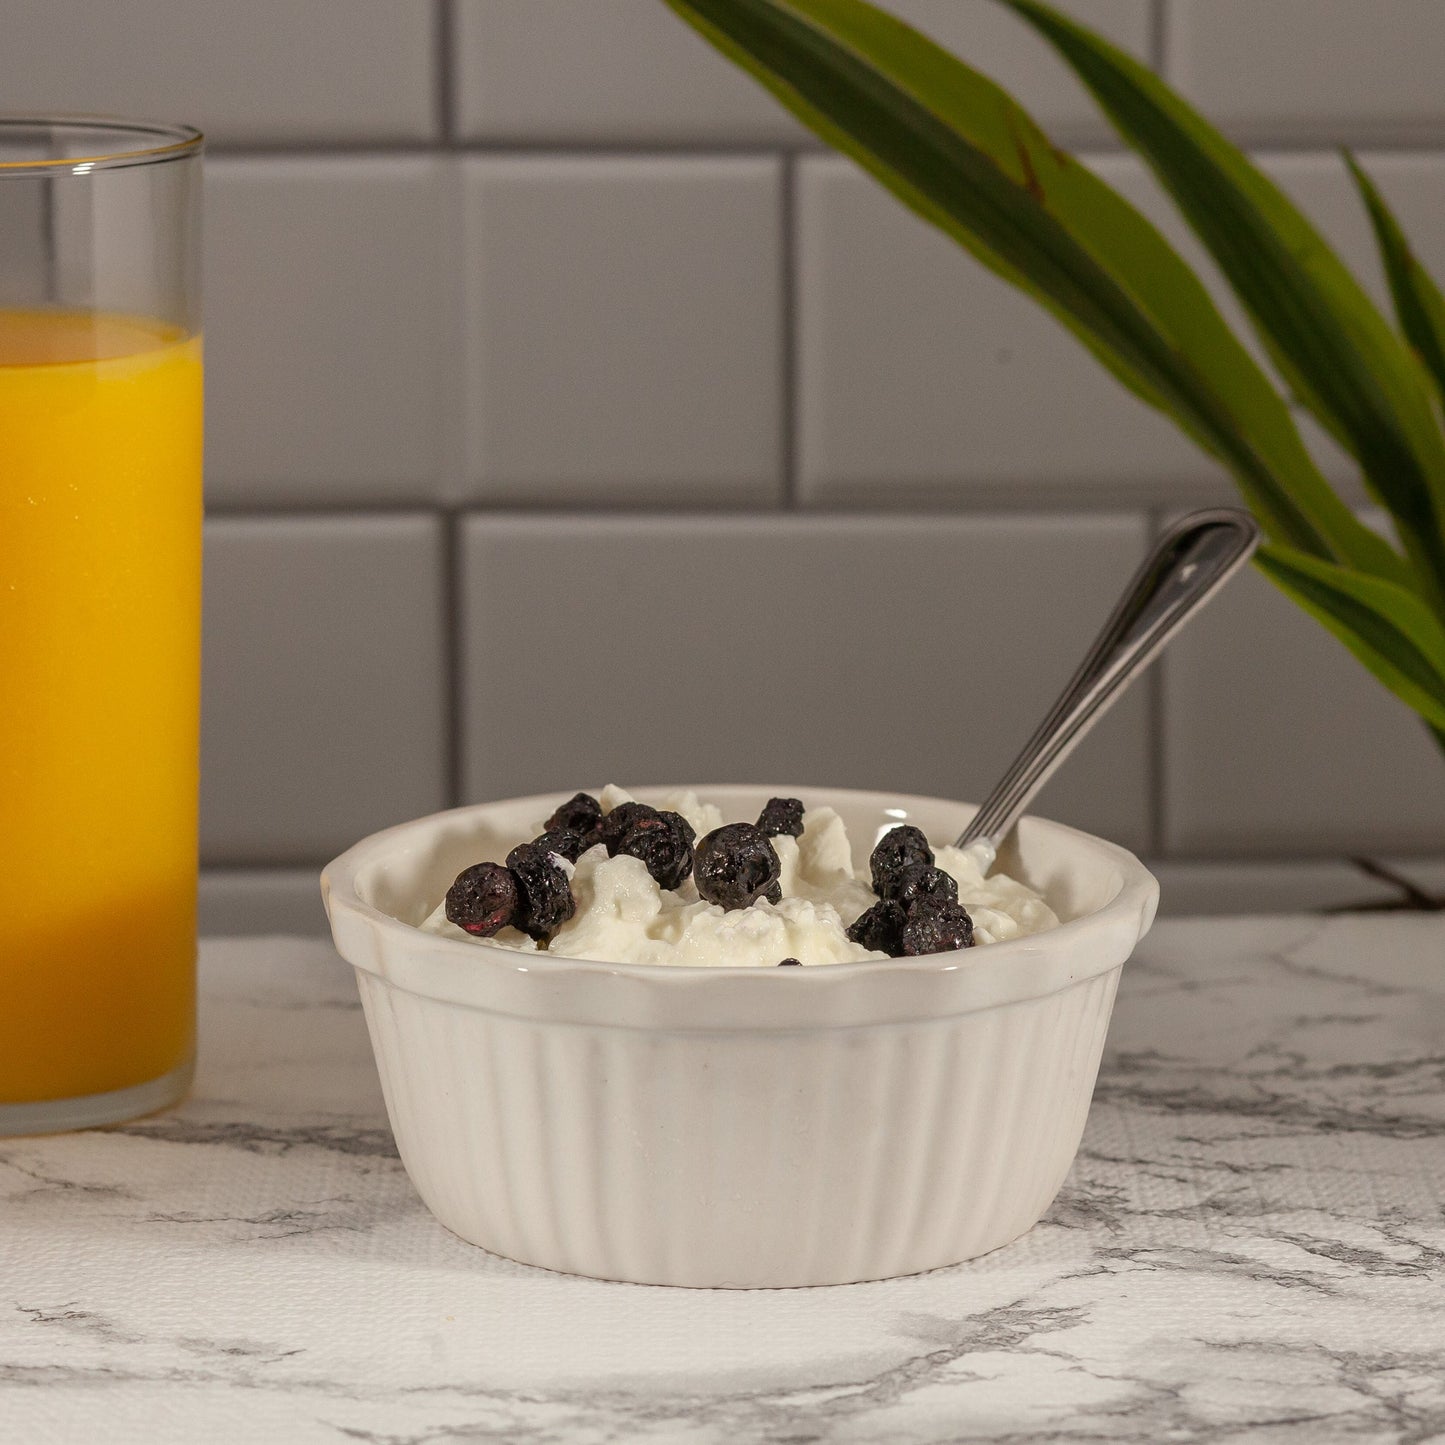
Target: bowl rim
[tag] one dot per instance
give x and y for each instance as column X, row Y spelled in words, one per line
column 1137, row 897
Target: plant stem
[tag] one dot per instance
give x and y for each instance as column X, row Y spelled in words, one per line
column 1412, row 897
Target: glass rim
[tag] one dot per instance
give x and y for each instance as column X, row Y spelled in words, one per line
column 167, row 141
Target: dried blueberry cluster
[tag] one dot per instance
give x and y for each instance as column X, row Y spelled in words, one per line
column 662, row 842
column 733, row 866
column 529, row 891
column 918, row 910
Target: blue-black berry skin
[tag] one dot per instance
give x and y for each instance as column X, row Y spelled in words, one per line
column 664, row 845
column 562, row 840
column 483, row 899
column 936, row 926
column 790, row 963
column 735, row 865
column 580, row 814
column 544, row 894
column 782, row 815
column 624, row 820
column 922, row 880
column 880, row 928
column 896, row 850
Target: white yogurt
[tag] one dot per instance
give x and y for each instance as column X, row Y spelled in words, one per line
column 624, row 917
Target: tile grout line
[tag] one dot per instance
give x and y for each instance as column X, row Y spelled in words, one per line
column 443, row 54
column 987, row 509
column 362, row 146
column 1158, row 34
column 788, row 326
column 453, row 655
column 448, row 518
column 1000, row 501
column 999, row 505
column 1263, row 142
column 450, row 515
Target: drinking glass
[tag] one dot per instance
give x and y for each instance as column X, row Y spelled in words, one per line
column 100, row 606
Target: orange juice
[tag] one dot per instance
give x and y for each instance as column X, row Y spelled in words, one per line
column 100, row 606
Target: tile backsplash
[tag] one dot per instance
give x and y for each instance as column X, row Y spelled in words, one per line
column 574, row 416
column 330, row 330
column 624, row 337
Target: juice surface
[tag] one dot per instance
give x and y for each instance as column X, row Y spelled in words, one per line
column 100, row 605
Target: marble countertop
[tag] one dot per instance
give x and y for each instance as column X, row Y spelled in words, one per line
column 1251, row 1245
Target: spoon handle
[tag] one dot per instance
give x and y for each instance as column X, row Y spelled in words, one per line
column 1189, row 565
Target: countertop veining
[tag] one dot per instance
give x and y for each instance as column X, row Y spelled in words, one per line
column 1251, row 1245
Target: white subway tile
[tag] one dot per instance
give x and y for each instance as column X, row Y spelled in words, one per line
column 1314, row 70
column 621, row 71
column 238, row 901
column 624, row 329
column 333, row 348
column 925, row 377
column 323, row 712
column 245, row 70
column 627, row 71
column 1276, row 886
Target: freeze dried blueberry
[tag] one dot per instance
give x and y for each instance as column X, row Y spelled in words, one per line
column 664, row 843
column 782, row 815
column 936, row 926
column 790, row 962
column 735, row 866
column 881, row 928
column 895, row 850
column 483, row 899
column 624, row 819
column 580, row 814
column 922, row 880
column 544, row 896
column 561, row 840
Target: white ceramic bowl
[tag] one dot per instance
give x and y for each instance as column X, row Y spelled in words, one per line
column 736, row 1126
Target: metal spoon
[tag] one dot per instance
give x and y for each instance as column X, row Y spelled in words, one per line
column 1192, row 561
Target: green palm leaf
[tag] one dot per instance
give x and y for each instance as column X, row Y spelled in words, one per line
column 1419, row 306
column 1330, row 343
column 960, row 152
column 1387, row 627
